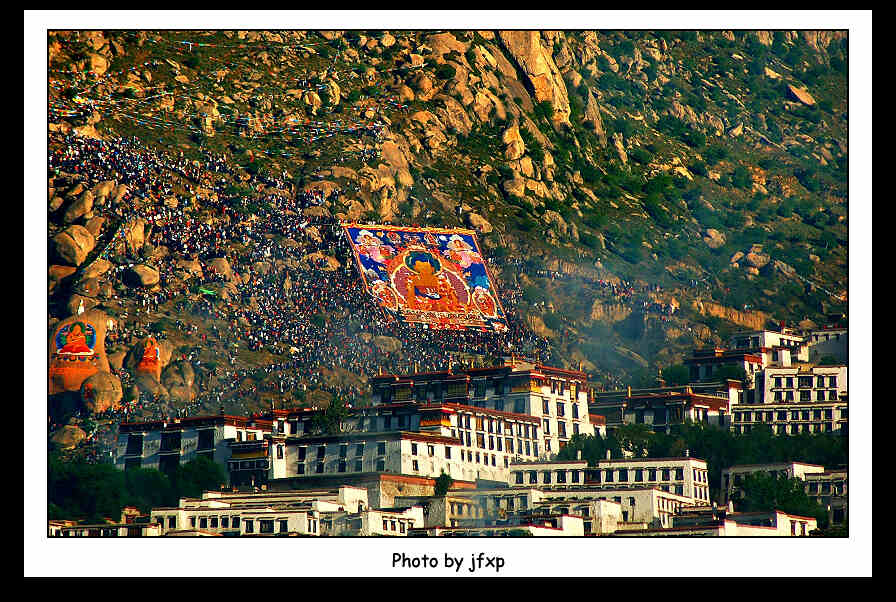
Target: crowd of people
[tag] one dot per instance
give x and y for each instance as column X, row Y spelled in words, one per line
column 317, row 315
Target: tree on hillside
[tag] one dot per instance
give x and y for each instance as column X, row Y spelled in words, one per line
column 146, row 488
column 84, row 491
column 92, row 492
column 544, row 110
column 443, row 484
column 729, row 372
column 593, row 447
column 198, row 475
column 329, row 421
column 676, row 375
column 634, row 438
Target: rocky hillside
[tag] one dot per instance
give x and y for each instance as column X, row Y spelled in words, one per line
column 640, row 193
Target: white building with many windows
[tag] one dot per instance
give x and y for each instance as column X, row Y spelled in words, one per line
column 790, row 345
column 398, row 452
column 164, row 445
column 665, row 408
column 534, row 525
column 791, row 418
column 259, row 513
column 802, row 383
column 387, row 522
column 686, row 477
column 468, row 443
column 558, row 398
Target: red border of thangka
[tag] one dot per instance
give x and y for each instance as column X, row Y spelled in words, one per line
column 471, row 233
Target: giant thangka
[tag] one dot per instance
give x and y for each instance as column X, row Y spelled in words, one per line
column 432, row 276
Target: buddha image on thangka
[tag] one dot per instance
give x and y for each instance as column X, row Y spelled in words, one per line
column 75, row 341
column 426, row 283
column 427, row 275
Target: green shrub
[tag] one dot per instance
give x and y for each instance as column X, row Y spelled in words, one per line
column 589, row 240
column 544, row 110
column 640, row 155
column 533, row 146
column 694, row 138
column 657, row 212
column 533, row 294
column 699, row 168
column 553, row 321
column 527, row 224
column 596, row 219
column 741, row 177
column 715, row 153
column 767, row 163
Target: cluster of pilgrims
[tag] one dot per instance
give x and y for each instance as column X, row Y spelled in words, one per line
column 314, row 313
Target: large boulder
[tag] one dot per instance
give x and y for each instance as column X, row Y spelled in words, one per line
column 313, row 101
column 73, row 244
column 95, row 225
column 145, row 383
column 97, row 64
column 180, row 381
column 538, row 66
column 713, row 238
column 190, row 267
column 801, row 94
column 141, row 275
column 221, row 267
column 387, row 344
column 118, row 194
column 77, row 350
column 134, row 234
column 334, row 94
column 321, row 262
column 78, row 304
column 592, row 118
column 444, row 43
column 262, row 267
column 480, row 223
column 620, row 147
column 87, row 287
column 79, row 208
column 116, row 360
column 556, row 222
column 757, row 260
column 100, row 392
column 97, row 268
column 102, row 191
column 68, row 437
column 515, row 147
column 58, row 273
